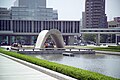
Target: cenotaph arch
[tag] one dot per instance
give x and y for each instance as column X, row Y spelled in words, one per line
column 54, row 34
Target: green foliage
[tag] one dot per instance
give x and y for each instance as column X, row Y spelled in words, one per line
column 77, row 73
column 89, row 37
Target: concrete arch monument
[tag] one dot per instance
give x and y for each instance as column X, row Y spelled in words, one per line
column 55, row 35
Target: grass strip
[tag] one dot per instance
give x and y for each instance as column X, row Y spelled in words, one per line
column 77, row 73
column 109, row 48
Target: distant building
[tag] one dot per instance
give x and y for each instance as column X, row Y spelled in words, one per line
column 4, row 13
column 115, row 23
column 111, row 25
column 55, row 15
column 95, row 14
column 117, row 19
column 25, row 13
column 26, row 31
column 32, row 10
column 32, row 4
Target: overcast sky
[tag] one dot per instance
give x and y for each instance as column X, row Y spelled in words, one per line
column 72, row 9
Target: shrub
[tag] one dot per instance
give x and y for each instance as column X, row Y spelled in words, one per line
column 77, row 73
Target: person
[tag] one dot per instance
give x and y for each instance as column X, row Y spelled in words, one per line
column 46, row 45
column 51, row 45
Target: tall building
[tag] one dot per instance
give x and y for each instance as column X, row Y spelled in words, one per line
column 4, row 13
column 32, row 10
column 95, row 14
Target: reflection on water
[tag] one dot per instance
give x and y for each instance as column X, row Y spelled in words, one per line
column 105, row 64
column 50, row 57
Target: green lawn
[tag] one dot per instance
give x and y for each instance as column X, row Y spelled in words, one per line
column 109, row 48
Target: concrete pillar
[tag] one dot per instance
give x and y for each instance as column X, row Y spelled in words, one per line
column 0, row 39
column 116, row 39
column 41, row 25
column 9, row 40
column 97, row 39
column 71, row 40
column 73, row 27
column 61, row 27
column 13, row 39
column 32, row 26
column 33, row 38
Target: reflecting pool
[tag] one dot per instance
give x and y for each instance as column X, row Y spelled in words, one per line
column 105, row 64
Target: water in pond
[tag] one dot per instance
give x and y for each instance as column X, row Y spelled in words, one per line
column 105, row 64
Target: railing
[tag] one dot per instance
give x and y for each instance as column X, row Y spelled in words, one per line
column 46, row 49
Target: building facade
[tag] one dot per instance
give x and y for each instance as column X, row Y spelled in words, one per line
column 32, row 10
column 30, row 3
column 4, row 13
column 117, row 19
column 25, row 13
column 115, row 23
column 95, row 14
column 26, row 31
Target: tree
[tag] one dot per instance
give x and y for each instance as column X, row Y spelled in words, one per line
column 89, row 37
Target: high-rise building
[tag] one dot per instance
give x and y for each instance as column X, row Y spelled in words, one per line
column 32, row 10
column 95, row 14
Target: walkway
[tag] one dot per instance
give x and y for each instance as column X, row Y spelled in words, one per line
column 12, row 70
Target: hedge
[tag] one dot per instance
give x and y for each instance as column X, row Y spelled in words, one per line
column 77, row 73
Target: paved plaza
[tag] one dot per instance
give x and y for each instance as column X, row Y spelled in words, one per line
column 12, row 70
